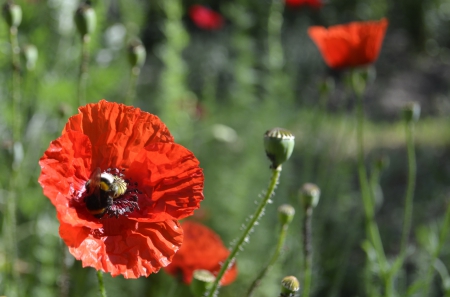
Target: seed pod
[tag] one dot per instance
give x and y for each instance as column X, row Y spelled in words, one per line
column 309, row 195
column 136, row 53
column 286, row 214
column 201, row 282
column 279, row 144
column 289, row 286
column 85, row 19
column 12, row 14
column 411, row 112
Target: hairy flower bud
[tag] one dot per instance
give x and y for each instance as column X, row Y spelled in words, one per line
column 12, row 14
column 289, row 286
column 286, row 213
column 309, row 195
column 279, row 144
column 201, row 282
column 85, row 19
column 411, row 112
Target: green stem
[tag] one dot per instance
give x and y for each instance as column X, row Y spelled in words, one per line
column 307, row 251
column 274, row 26
column 371, row 226
column 131, row 93
column 245, row 235
column 273, row 259
column 9, row 228
column 15, row 83
column 437, row 251
column 101, row 284
column 409, row 129
column 84, row 63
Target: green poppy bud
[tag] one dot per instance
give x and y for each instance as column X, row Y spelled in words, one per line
column 309, row 195
column 85, row 19
column 136, row 53
column 279, row 144
column 201, row 282
column 286, row 213
column 30, row 53
column 289, row 286
column 13, row 14
column 411, row 112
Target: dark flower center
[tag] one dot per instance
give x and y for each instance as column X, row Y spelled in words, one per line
column 110, row 193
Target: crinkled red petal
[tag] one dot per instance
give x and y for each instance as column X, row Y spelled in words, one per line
column 350, row 45
column 117, row 132
column 124, row 247
column 171, row 180
column 202, row 249
column 65, row 168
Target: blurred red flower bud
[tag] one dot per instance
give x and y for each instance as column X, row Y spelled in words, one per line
column 205, row 18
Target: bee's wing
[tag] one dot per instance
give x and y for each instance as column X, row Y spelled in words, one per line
column 94, row 182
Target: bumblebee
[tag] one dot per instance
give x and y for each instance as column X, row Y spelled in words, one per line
column 101, row 190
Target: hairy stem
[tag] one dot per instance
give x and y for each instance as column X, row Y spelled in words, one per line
column 83, row 74
column 131, row 93
column 307, row 251
column 244, row 237
column 273, row 259
column 409, row 127
column 371, row 227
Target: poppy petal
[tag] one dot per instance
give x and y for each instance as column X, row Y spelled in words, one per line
column 350, row 45
column 202, row 249
column 125, row 247
column 171, row 180
column 117, row 132
column 65, row 168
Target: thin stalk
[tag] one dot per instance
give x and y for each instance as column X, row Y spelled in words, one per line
column 244, row 237
column 407, row 220
column 15, row 50
column 10, row 223
column 437, row 251
column 371, row 226
column 307, row 251
column 273, row 259
column 83, row 74
column 131, row 93
column 409, row 129
column 101, row 284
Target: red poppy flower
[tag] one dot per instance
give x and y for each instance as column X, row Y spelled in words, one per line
column 349, row 45
column 311, row 3
column 205, row 18
column 123, row 218
column 201, row 249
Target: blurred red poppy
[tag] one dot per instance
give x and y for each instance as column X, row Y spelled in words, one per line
column 202, row 249
column 205, row 18
column 298, row 3
column 136, row 232
column 350, row 45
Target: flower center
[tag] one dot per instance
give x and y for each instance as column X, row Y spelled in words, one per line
column 109, row 193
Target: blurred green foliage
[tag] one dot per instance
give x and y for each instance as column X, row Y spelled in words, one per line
column 218, row 92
